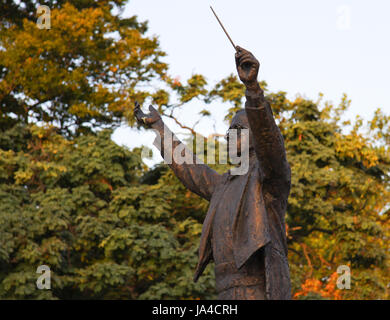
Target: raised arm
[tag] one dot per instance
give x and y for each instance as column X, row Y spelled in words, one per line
column 267, row 139
column 196, row 176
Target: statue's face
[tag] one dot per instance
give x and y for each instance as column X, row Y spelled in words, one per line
column 239, row 122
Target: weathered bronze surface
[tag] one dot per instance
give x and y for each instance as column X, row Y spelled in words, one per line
column 244, row 229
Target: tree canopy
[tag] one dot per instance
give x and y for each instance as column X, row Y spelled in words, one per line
column 83, row 73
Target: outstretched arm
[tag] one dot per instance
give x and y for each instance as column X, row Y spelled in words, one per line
column 267, row 139
column 196, row 176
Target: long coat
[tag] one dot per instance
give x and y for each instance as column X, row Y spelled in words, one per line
column 259, row 202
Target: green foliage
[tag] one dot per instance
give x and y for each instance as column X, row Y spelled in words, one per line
column 340, row 186
column 79, row 207
column 111, row 228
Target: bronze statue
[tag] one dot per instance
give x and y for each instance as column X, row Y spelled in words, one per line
column 244, row 229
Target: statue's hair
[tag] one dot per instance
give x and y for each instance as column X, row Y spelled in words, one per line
column 241, row 114
column 240, row 111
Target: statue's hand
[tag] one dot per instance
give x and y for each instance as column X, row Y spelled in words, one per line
column 247, row 67
column 144, row 119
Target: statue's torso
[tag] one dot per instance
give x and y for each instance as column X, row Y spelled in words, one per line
column 232, row 283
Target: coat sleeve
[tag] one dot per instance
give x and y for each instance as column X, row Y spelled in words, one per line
column 195, row 175
column 267, row 139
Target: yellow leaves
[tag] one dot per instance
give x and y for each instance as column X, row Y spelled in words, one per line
column 51, row 169
column 78, row 23
column 83, row 258
column 38, row 131
column 161, row 97
column 44, row 149
column 357, row 147
column 103, row 243
column 298, row 100
column 87, row 64
column 22, row 177
column 83, row 110
column 195, row 87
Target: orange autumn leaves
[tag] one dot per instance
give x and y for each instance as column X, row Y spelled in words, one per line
column 327, row 289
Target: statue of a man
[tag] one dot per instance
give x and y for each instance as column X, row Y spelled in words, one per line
column 244, row 229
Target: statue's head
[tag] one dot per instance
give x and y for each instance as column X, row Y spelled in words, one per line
column 239, row 122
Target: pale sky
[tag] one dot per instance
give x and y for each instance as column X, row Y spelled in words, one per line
column 304, row 47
